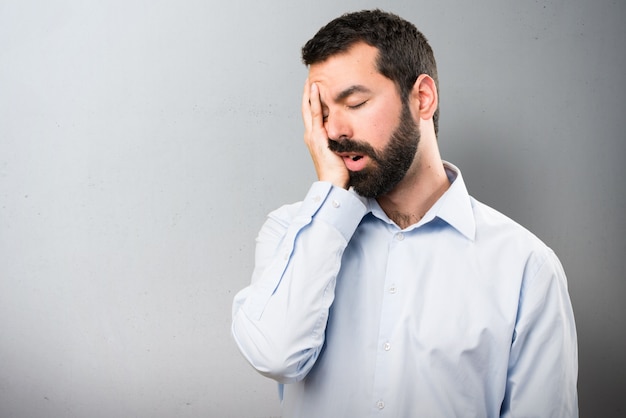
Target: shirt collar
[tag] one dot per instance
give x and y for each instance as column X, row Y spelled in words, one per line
column 456, row 204
column 454, row 207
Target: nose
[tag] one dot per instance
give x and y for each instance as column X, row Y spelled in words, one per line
column 338, row 125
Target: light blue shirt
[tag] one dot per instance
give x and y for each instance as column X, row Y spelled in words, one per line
column 464, row 314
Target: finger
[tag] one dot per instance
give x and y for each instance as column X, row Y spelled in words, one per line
column 306, row 105
column 316, row 107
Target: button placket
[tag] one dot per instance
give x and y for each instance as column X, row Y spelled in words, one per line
column 391, row 307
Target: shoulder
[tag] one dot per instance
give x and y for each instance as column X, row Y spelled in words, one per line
column 506, row 237
column 278, row 221
column 515, row 255
column 286, row 212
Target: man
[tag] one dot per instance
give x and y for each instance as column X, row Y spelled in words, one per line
column 389, row 291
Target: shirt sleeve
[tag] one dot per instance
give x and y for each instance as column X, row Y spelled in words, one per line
column 543, row 362
column 279, row 321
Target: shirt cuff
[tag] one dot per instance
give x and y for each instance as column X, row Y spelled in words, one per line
column 340, row 208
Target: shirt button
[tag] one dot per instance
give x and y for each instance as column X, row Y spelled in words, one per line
column 393, row 289
column 400, row 236
column 336, row 204
column 387, row 346
column 380, row 404
column 317, row 198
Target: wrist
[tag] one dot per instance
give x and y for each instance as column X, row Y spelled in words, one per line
column 338, row 180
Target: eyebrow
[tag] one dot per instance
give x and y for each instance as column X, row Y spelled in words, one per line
column 350, row 91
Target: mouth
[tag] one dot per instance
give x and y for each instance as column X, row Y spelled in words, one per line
column 356, row 155
column 354, row 162
column 350, row 155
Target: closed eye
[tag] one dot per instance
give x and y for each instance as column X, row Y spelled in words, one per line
column 357, row 105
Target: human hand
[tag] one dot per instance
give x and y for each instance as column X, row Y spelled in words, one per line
column 328, row 165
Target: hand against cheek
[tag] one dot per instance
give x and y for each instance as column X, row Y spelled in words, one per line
column 328, row 165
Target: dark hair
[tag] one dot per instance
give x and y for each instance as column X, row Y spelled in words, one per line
column 403, row 51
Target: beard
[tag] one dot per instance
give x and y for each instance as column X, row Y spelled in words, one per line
column 390, row 165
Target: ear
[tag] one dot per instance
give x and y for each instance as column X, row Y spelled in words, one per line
column 424, row 99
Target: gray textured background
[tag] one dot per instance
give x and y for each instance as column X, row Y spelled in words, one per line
column 142, row 144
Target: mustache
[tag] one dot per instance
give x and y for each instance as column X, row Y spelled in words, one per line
column 352, row 145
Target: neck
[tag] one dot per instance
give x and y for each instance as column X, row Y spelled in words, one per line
column 425, row 182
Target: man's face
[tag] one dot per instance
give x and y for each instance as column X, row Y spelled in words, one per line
column 388, row 166
column 366, row 122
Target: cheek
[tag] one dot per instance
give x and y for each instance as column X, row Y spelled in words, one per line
column 380, row 125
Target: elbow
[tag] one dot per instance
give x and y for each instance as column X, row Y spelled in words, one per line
column 277, row 360
column 285, row 369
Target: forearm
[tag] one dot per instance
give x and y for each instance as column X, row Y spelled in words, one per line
column 279, row 320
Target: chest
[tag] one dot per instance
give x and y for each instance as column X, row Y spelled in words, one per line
column 431, row 285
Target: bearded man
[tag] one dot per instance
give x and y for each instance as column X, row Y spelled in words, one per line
column 389, row 291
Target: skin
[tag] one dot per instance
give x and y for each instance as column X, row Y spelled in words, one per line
column 346, row 97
